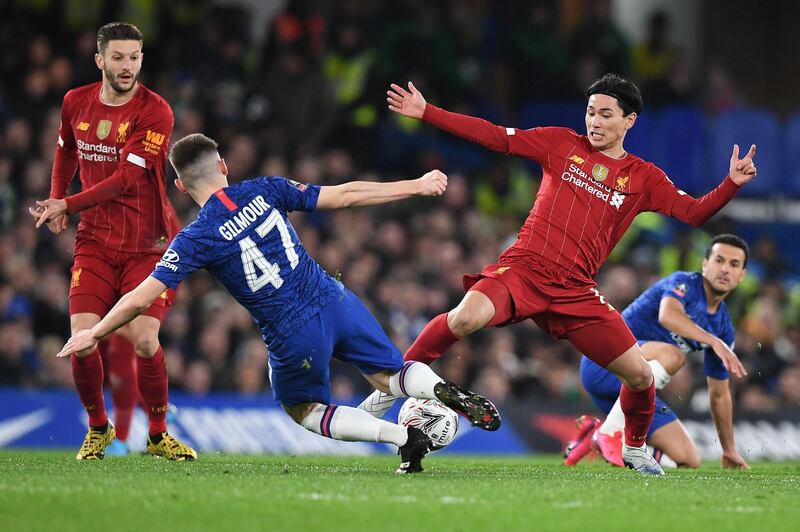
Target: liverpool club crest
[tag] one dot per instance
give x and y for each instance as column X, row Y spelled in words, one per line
column 103, row 129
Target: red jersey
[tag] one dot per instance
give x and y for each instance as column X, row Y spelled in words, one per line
column 587, row 200
column 121, row 152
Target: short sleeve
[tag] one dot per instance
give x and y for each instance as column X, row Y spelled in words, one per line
column 536, row 143
column 677, row 286
column 184, row 256
column 294, row 196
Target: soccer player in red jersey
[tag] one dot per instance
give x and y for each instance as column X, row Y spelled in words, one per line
column 591, row 190
column 117, row 133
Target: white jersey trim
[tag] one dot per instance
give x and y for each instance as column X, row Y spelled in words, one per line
column 135, row 159
column 510, row 131
column 60, row 141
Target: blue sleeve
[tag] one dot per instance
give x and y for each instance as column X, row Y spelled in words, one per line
column 678, row 286
column 293, row 196
column 182, row 258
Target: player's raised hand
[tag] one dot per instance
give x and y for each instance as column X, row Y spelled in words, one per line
column 434, row 183
column 732, row 460
column 80, row 341
column 48, row 210
column 728, row 358
column 742, row 170
column 406, row 102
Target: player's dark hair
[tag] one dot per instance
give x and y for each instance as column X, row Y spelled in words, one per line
column 626, row 92
column 191, row 149
column 731, row 240
column 117, row 31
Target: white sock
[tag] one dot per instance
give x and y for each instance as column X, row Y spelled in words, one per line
column 351, row 424
column 378, row 403
column 615, row 420
column 414, row 380
column 660, row 374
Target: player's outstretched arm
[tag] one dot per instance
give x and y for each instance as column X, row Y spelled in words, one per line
column 719, row 394
column 412, row 104
column 667, row 199
column 365, row 193
column 127, row 308
column 673, row 317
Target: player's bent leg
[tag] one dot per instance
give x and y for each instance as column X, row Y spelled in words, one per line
column 487, row 301
column 664, row 360
column 602, row 342
column 673, row 440
column 351, row 424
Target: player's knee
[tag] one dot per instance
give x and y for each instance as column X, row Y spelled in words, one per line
column 691, row 459
column 639, row 377
column 299, row 412
column 146, row 346
column 465, row 320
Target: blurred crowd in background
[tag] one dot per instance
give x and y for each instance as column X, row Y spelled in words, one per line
column 304, row 98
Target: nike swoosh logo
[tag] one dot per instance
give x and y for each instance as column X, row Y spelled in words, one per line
column 14, row 428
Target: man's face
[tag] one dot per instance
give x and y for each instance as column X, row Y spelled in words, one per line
column 724, row 268
column 121, row 63
column 605, row 124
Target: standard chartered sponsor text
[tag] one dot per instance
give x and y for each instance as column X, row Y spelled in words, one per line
column 98, row 153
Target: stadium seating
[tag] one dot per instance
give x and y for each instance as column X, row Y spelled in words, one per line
column 744, row 127
column 680, row 148
column 553, row 113
column 791, row 178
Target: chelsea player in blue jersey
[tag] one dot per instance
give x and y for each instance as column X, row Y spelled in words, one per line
column 682, row 313
column 243, row 237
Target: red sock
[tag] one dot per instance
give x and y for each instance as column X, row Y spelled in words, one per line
column 432, row 342
column 638, row 407
column 88, row 375
column 152, row 377
column 121, row 359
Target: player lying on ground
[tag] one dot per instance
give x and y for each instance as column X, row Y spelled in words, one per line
column 243, row 237
column 591, row 190
column 682, row 313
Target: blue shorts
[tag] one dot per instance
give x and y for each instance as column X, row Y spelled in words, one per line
column 603, row 387
column 344, row 329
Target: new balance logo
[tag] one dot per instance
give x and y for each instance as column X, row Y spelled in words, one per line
column 617, row 199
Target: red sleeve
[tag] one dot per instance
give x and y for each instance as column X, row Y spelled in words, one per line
column 667, row 199
column 145, row 148
column 65, row 161
column 474, row 129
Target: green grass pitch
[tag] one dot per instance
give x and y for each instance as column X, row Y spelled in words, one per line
column 52, row 491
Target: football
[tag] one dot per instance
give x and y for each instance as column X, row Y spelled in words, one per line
column 432, row 417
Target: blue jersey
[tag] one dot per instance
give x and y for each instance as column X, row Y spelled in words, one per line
column 687, row 287
column 243, row 238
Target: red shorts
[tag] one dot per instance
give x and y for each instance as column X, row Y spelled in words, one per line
column 100, row 277
column 560, row 305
